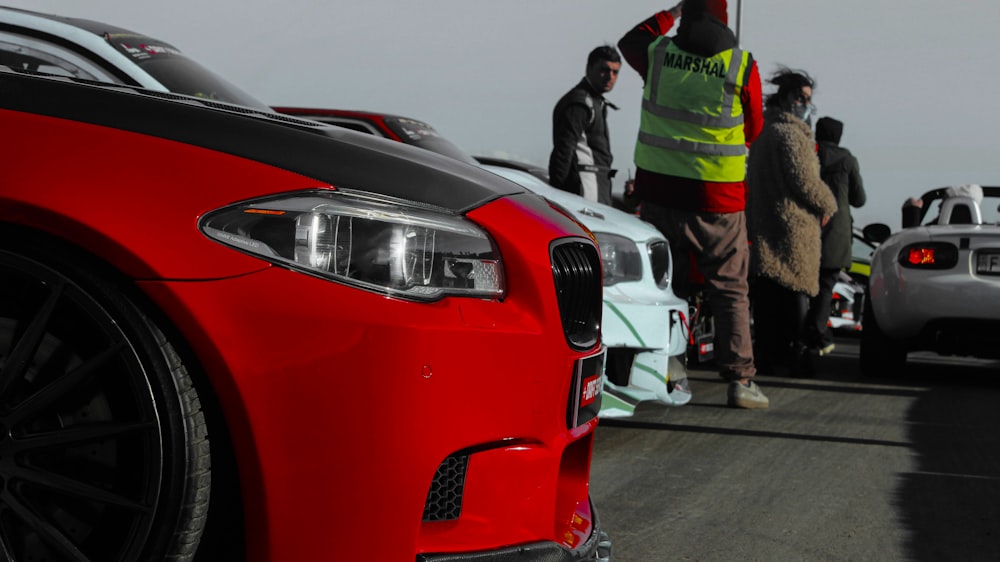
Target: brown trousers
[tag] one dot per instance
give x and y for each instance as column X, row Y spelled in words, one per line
column 718, row 242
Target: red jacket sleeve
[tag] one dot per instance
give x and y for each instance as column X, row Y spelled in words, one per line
column 634, row 45
column 753, row 105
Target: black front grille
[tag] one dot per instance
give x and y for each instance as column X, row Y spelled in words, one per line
column 659, row 260
column 576, row 269
column 444, row 500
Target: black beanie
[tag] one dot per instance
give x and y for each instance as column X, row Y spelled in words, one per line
column 829, row 129
column 717, row 8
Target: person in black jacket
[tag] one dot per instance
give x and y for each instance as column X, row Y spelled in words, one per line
column 580, row 161
column 840, row 171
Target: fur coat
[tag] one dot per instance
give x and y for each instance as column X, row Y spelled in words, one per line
column 787, row 200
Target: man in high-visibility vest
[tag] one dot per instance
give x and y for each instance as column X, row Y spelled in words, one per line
column 701, row 108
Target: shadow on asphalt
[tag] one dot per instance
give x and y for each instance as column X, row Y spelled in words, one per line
column 746, row 432
column 950, row 504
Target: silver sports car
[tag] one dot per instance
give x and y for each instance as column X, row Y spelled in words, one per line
column 935, row 284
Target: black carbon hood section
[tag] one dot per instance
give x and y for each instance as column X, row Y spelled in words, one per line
column 95, row 27
column 329, row 154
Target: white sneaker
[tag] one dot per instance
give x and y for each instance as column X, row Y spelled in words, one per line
column 746, row 396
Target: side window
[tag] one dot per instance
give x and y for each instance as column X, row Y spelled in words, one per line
column 930, row 217
column 861, row 249
column 353, row 126
column 37, row 55
column 990, row 207
column 359, row 126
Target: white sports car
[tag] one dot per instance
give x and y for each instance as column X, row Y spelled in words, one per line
column 935, row 284
column 644, row 326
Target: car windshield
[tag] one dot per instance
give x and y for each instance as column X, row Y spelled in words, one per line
column 862, row 250
column 526, row 179
column 423, row 135
column 178, row 73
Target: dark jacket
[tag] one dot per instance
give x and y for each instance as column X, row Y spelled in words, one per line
column 580, row 141
column 839, row 170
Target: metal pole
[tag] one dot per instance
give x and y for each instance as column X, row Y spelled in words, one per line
column 739, row 21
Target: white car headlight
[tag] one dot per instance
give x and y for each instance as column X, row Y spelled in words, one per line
column 376, row 244
column 620, row 257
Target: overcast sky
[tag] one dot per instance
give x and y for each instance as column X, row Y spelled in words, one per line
column 915, row 82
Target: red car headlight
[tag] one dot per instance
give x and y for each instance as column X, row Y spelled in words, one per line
column 372, row 243
column 929, row 255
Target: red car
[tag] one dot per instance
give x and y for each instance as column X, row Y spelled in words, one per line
column 231, row 335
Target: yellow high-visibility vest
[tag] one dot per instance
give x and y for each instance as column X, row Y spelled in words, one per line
column 692, row 118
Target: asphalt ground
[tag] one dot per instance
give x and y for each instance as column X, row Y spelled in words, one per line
column 840, row 467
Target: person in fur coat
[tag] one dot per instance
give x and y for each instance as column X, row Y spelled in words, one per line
column 788, row 204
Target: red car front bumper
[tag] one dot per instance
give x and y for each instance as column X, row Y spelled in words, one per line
column 343, row 405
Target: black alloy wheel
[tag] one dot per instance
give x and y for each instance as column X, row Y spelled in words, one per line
column 104, row 453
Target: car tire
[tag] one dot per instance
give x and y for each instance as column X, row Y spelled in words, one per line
column 880, row 355
column 105, row 452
